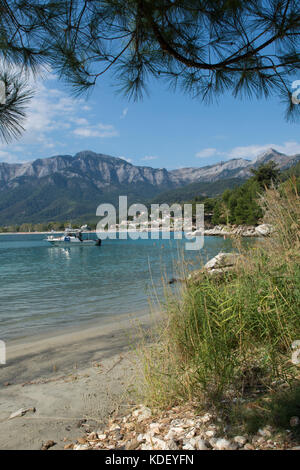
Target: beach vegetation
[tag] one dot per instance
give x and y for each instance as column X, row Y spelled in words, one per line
column 225, row 341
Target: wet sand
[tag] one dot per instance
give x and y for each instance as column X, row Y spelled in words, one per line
column 73, row 379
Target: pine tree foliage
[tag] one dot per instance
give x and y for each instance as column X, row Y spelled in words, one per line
column 204, row 47
column 13, row 109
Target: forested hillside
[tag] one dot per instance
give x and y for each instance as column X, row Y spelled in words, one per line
column 240, row 205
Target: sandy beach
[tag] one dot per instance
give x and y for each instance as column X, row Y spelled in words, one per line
column 73, row 380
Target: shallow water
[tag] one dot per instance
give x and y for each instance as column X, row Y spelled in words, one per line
column 43, row 287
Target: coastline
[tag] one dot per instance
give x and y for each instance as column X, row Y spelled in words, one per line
column 75, row 375
column 216, row 230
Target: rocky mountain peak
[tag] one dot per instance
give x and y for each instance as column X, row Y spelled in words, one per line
column 268, row 155
column 94, row 177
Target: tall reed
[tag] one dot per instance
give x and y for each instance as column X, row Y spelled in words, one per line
column 231, row 336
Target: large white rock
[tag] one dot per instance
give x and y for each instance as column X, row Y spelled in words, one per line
column 264, row 230
column 222, row 260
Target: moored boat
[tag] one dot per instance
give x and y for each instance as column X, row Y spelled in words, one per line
column 74, row 237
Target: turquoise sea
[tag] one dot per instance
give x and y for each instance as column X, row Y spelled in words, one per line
column 44, row 287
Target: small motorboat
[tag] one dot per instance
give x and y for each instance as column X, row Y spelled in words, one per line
column 74, row 237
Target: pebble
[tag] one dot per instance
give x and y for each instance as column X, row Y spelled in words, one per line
column 188, row 447
column 81, row 440
column 159, row 444
column 258, row 440
column 48, row 445
column 240, row 440
column 206, row 418
column 142, row 413
column 114, row 427
column 68, row 446
column 154, row 428
column 223, row 444
column 210, row 433
column 212, row 442
column 146, row 447
column 176, row 430
column 81, row 447
column 200, row 444
column 171, row 445
column 132, row 445
column 248, row 447
column 189, row 423
column 191, row 434
column 265, row 432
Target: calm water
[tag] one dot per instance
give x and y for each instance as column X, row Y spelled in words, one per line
column 44, row 287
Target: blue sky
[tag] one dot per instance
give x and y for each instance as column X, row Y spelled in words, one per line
column 165, row 129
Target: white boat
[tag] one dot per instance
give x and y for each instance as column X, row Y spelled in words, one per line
column 74, row 237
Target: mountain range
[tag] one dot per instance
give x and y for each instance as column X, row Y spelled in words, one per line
column 66, row 187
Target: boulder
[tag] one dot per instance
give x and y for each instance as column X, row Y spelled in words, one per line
column 218, row 265
column 264, row 230
column 222, row 260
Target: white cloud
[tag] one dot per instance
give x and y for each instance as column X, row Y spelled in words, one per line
column 50, row 110
column 129, row 160
column 148, row 158
column 53, row 117
column 208, row 152
column 124, row 113
column 7, row 157
column 97, row 130
column 251, row 151
column 81, row 121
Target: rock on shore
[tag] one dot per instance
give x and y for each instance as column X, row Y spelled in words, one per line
column 220, row 264
column 179, row 428
column 262, row 230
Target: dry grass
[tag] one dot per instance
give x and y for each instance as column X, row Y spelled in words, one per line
column 231, row 337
